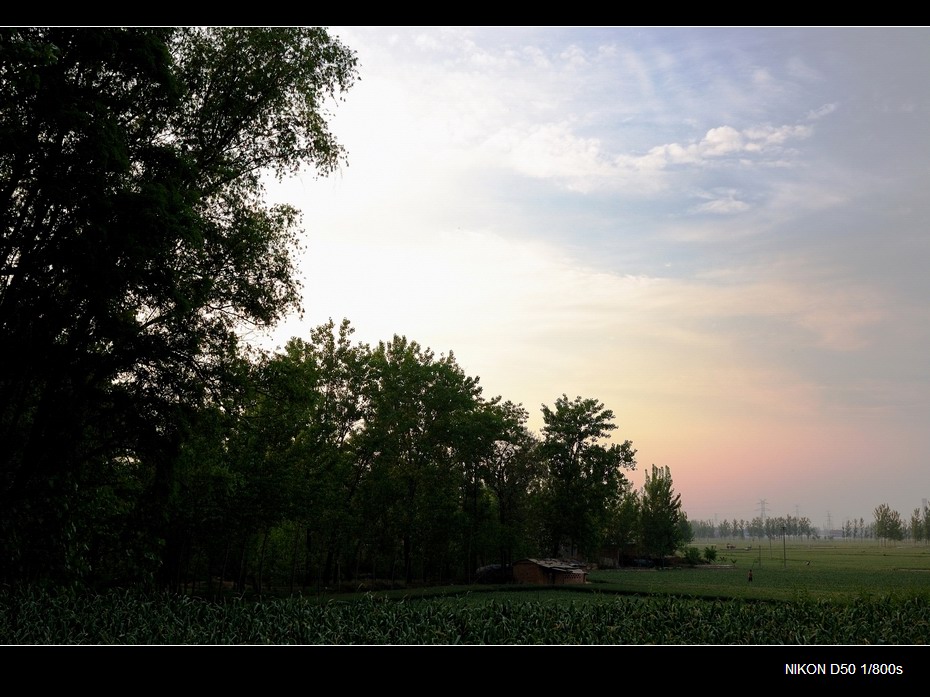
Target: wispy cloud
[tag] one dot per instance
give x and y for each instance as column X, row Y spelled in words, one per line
column 822, row 111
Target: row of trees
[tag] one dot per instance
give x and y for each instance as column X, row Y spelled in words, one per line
column 347, row 461
column 887, row 525
column 757, row 528
column 334, row 461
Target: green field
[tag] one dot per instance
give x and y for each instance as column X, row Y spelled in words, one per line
column 846, row 595
column 820, row 570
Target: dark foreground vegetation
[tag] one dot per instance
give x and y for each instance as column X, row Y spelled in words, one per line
column 513, row 618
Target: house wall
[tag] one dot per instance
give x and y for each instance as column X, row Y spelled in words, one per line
column 527, row 572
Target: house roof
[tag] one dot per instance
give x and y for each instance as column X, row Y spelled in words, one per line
column 566, row 567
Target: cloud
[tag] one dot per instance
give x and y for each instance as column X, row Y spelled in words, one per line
column 820, row 112
column 718, row 143
column 555, row 151
column 551, row 150
column 537, row 56
column 723, row 206
column 574, row 57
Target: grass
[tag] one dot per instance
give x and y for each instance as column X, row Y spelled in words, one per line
column 829, row 571
column 819, row 571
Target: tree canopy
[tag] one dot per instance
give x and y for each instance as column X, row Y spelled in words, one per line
column 663, row 523
column 135, row 243
column 586, row 477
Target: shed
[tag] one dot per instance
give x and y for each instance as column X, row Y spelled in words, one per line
column 551, row 572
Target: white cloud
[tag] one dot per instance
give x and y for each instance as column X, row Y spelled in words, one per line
column 723, row 206
column 536, row 56
column 549, row 151
column 574, row 57
column 554, row 151
column 718, row 143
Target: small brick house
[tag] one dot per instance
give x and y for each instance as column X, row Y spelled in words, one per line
column 548, row 572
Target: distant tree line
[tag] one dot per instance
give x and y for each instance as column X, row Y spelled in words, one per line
column 887, row 525
column 757, row 528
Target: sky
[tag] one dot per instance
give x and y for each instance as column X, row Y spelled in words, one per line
column 719, row 233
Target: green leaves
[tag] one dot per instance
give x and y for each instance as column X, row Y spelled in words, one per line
column 660, row 514
column 585, row 480
column 31, row 616
column 135, row 241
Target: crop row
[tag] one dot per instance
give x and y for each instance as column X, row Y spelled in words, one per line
column 122, row 617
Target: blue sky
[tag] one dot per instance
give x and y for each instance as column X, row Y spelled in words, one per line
column 720, row 233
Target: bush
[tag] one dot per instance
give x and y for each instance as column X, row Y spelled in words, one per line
column 710, row 554
column 692, row 555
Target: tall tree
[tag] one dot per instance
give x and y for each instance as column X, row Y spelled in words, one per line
column 888, row 523
column 414, row 443
column 916, row 528
column 585, row 476
column 623, row 523
column 134, row 245
column 513, row 472
column 661, row 515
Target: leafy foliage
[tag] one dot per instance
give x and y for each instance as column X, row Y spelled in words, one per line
column 585, row 479
column 660, row 514
column 888, row 523
column 121, row 617
column 692, row 555
column 134, row 244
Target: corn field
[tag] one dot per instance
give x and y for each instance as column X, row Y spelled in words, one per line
column 32, row 616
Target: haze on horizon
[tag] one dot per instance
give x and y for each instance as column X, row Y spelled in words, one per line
column 720, row 233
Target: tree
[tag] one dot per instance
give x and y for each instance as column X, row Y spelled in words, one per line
column 756, row 528
column 916, row 527
column 888, row 523
column 512, row 471
column 685, row 529
column 623, row 522
column 415, row 442
column 726, row 530
column 662, row 522
column 134, row 246
column 585, row 477
column 332, row 374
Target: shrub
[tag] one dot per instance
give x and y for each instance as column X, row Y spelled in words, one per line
column 710, row 554
column 692, row 555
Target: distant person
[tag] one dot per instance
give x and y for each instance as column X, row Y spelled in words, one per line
column 750, row 575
